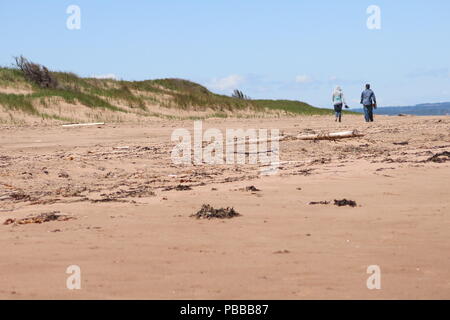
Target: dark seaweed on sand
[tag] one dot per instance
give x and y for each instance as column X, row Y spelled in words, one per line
column 440, row 157
column 345, row 202
column 208, row 212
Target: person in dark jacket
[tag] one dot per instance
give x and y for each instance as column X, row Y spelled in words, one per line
column 369, row 102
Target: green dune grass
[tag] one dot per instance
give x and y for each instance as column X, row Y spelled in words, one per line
column 111, row 94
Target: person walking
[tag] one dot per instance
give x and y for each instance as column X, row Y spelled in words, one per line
column 369, row 102
column 338, row 102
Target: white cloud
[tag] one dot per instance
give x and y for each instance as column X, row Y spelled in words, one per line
column 303, row 79
column 106, row 76
column 226, row 83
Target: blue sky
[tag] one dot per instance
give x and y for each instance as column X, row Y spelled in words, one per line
column 286, row 49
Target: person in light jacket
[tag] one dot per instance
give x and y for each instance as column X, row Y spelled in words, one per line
column 338, row 102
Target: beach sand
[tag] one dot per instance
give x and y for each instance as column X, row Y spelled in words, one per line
column 133, row 237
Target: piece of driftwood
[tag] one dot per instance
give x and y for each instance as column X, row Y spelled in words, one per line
column 331, row 136
column 83, row 124
column 255, row 141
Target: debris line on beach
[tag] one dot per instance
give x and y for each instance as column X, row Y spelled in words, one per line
column 179, row 187
column 339, row 203
column 319, row 202
column 41, row 218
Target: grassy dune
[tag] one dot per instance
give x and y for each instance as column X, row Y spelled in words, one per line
column 293, row 107
column 139, row 98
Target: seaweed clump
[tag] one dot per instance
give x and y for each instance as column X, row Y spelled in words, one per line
column 208, row 212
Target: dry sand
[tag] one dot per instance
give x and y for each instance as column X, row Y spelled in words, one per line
column 133, row 239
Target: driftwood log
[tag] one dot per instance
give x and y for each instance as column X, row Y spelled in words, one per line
column 320, row 136
column 331, row 136
column 83, row 124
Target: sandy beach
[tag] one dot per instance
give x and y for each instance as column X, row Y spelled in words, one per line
column 129, row 227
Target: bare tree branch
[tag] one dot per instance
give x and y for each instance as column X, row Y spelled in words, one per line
column 36, row 73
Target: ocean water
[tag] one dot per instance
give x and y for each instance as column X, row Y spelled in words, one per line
column 428, row 109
